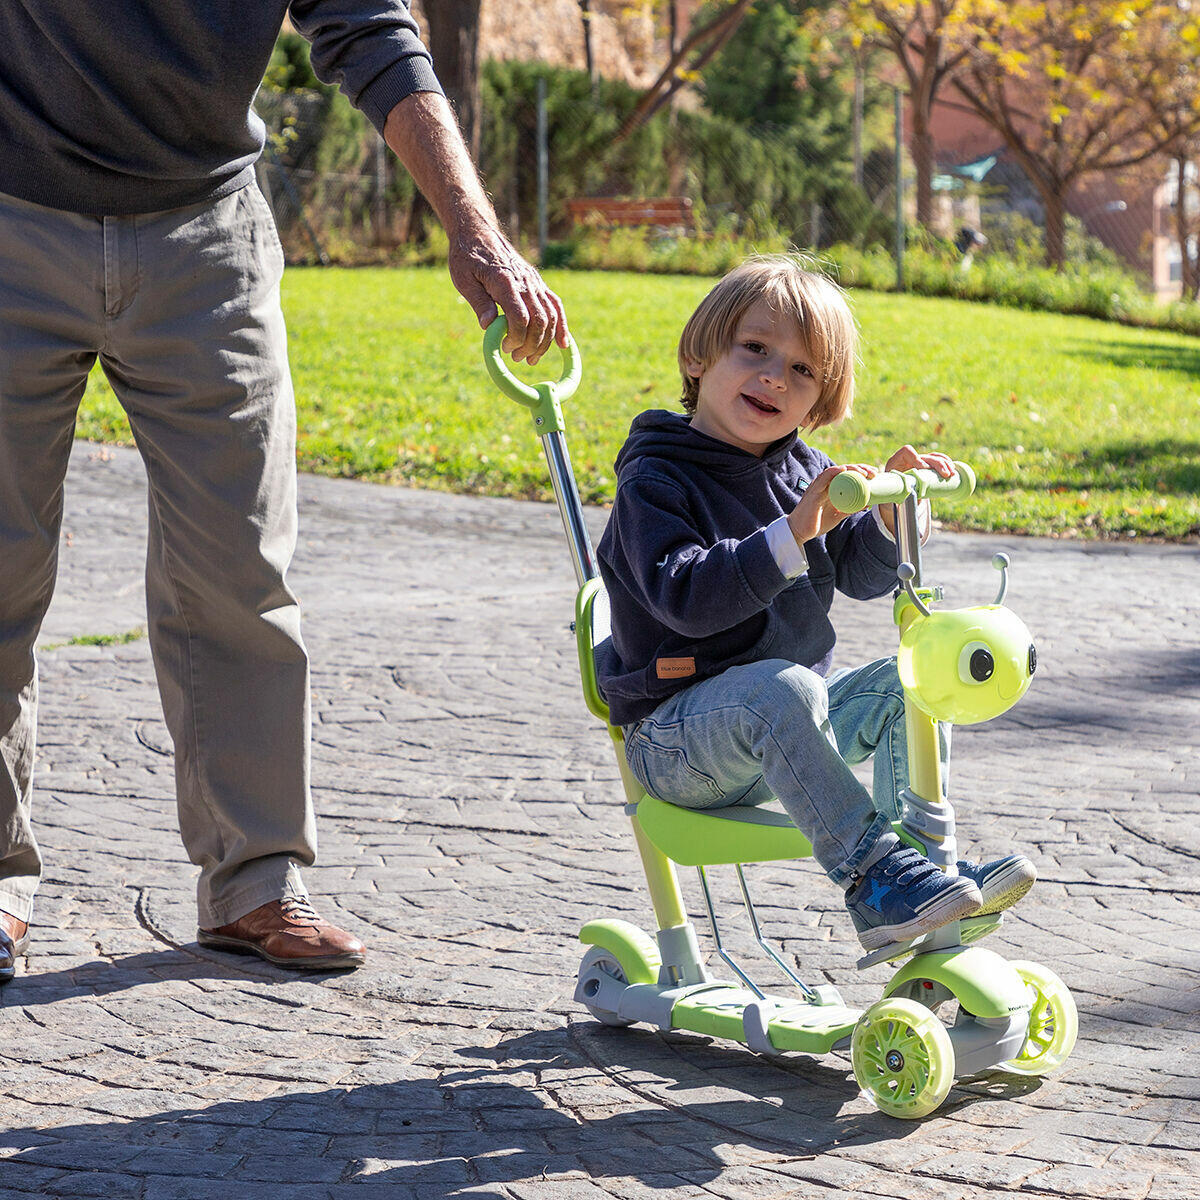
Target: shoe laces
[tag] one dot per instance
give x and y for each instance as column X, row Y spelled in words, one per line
column 299, row 909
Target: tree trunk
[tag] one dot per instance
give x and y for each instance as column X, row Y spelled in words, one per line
column 923, row 158
column 1055, row 241
column 922, row 91
column 454, row 44
column 1189, row 264
column 589, row 58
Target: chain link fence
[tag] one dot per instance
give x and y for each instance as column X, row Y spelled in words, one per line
column 339, row 196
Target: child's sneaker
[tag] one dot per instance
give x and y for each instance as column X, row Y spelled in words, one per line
column 1001, row 883
column 904, row 895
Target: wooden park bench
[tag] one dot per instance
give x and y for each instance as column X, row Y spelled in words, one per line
column 668, row 214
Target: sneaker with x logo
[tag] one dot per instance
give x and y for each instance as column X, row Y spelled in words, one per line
column 903, row 896
column 1001, row 882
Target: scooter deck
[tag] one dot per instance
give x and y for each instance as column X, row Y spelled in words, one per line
column 790, row 1024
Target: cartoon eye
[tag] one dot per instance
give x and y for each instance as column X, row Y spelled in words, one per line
column 975, row 663
column 1032, row 658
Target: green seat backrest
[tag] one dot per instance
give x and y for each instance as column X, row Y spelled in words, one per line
column 686, row 836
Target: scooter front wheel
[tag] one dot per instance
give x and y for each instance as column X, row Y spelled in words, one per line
column 902, row 1058
column 1053, row 1022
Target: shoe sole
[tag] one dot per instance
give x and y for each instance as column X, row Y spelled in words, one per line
column 331, row 962
column 960, row 900
column 1009, row 887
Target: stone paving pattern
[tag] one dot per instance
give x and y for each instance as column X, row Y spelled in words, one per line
column 469, row 818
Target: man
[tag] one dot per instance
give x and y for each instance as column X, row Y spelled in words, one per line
column 131, row 230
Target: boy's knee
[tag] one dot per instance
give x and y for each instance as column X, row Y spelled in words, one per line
column 884, row 680
column 786, row 687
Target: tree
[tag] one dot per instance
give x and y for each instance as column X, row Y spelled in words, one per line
column 1075, row 89
column 704, row 41
column 454, row 43
column 1186, row 214
column 928, row 40
column 771, row 77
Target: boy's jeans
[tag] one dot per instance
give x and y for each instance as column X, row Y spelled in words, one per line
column 774, row 728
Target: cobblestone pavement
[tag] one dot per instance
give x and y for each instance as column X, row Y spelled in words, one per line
column 469, row 824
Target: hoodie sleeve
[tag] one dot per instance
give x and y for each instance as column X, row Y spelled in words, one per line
column 693, row 587
column 372, row 51
column 864, row 557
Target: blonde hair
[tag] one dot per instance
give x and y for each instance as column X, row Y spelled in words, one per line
column 818, row 306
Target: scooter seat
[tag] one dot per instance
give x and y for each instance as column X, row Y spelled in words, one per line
column 703, row 838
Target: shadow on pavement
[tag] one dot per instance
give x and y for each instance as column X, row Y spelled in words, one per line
column 472, row 1127
column 103, row 977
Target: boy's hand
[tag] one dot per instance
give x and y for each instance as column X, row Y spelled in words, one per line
column 908, row 459
column 815, row 514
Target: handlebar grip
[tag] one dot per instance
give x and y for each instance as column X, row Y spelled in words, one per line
column 530, row 395
column 850, row 492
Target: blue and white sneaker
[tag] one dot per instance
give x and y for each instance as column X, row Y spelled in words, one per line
column 1001, row 882
column 904, row 895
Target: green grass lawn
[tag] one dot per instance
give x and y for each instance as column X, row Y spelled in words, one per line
column 1075, row 427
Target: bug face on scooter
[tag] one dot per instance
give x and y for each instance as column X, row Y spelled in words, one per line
column 966, row 665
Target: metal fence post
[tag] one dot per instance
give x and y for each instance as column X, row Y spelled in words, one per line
column 380, row 197
column 899, row 191
column 543, row 170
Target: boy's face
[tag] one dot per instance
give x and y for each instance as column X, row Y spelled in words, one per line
column 760, row 389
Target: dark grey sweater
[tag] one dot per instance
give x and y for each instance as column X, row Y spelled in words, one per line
column 126, row 106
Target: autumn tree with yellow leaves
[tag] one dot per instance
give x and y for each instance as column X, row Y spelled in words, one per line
column 928, row 39
column 1075, row 89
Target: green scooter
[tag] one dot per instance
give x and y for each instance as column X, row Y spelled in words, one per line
column 958, row 666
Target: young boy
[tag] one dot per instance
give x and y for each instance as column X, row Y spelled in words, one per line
column 720, row 559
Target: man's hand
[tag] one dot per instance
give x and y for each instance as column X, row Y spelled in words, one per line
column 489, row 272
column 815, row 514
column 483, row 265
column 908, row 459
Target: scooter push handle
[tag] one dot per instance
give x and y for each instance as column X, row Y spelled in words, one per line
column 532, row 395
column 850, row 492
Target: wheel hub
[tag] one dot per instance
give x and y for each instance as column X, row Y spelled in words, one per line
column 894, row 1060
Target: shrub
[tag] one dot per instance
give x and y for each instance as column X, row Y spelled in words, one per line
column 1107, row 292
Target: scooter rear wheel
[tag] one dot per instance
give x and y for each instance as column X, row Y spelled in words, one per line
column 599, row 959
column 902, row 1058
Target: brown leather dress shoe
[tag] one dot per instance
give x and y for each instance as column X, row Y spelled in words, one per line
column 290, row 934
column 14, row 938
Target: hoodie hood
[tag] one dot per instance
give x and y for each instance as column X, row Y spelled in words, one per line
column 662, row 434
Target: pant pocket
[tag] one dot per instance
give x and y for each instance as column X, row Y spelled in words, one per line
column 664, row 771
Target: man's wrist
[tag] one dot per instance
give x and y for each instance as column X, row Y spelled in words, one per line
column 422, row 132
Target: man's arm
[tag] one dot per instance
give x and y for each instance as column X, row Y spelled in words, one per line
column 484, row 266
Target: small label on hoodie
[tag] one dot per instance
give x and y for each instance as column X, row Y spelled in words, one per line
column 675, row 668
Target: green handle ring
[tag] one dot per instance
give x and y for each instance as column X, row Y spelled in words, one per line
column 542, row 399
column 851, row 493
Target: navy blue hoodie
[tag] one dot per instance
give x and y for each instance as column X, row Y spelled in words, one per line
column 692, row 582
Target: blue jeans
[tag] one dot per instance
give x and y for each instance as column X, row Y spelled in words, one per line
column 776, row 729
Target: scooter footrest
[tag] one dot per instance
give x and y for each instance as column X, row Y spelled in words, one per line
column 971, row 929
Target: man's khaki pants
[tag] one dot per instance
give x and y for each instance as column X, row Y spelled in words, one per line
column 182, row 309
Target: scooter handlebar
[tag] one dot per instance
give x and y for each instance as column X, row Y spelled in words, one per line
column 850, row 492
column 527, row 394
